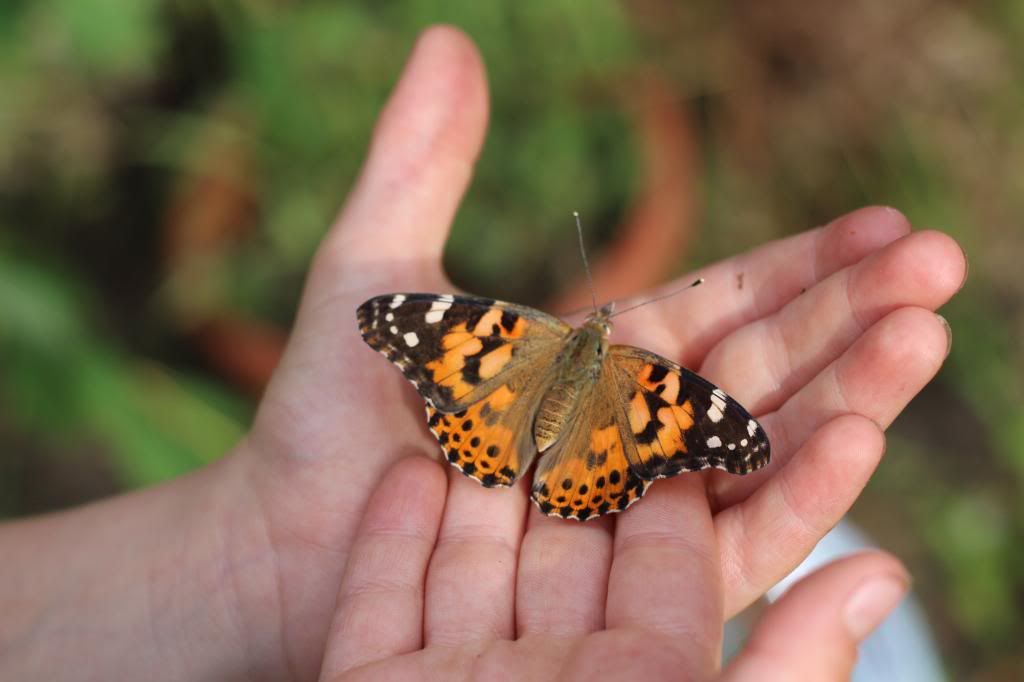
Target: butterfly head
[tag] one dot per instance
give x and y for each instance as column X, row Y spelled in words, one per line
column 599, row 321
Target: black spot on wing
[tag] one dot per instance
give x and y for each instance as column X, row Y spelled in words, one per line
column 654, row 402
column 658, row 372
column 471, row 368
column 649, row 434
column 508, row 320
column 596, row 459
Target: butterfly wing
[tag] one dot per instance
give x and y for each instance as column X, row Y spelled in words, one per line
column 492, row 440
column 479, row 364
column 586, row 472
column 678, row 421
column 457, row 349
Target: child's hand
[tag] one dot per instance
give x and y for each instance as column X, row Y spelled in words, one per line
column 234, row 571
column 628, row 603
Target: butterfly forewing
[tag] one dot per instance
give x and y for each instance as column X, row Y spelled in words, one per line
column 458, row 349
column 679, row 421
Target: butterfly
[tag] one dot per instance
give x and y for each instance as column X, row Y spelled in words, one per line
column 506, row 385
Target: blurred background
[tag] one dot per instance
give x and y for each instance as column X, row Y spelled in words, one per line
column 168, row 167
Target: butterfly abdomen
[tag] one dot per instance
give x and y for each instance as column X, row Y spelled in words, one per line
column 577, row 366
column 554, row 412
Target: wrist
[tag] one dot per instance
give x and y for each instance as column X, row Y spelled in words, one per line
column 146, row 585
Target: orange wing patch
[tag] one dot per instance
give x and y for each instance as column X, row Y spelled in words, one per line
column 579, row 485
column 477, row 442
column 500, row 322
column 471, row 357
column 659, row 417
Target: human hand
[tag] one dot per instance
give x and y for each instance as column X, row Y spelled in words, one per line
column 650, row 608
column 235, row 570
column 827, row 340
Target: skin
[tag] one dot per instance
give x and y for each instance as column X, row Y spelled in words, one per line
column 275, row 564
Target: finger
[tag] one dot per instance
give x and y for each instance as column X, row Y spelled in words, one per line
column 876, row 377
column 379, row 612
column 414, row 176
column 768, row 360
column 813, row 631
column 419, row 164
column 755, row 284
column 563, row 576
column 472, row 578
column 666, row 574
column 764, row 537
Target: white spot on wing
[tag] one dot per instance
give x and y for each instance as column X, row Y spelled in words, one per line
column 393, row 329
column 751, row 428
column 437, row 310
column 389, row 317
column 743, row 443
column 398, row 300
column 717, row 409
column 411, row 339
column 714, row 442
column 732, row 446
column 447, row 298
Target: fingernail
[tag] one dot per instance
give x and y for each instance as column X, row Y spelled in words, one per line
column 868, row 606
column 949, row 333
column 967, row 266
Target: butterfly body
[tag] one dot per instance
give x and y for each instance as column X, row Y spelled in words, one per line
column 576, row 367
column 507, row 385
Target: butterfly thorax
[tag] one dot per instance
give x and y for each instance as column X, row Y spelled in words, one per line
column 575, row 368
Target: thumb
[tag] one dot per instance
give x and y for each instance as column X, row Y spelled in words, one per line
column 812, row 633
column 419, row 164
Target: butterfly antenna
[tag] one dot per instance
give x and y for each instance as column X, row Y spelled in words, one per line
column 699, row 280
column 586, row 265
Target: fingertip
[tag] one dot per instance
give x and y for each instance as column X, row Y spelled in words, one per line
column 870, row 602
column 420, row 161
column 863, row 231
column 813, row 630
column 438, row 109
column 878, row 219
column 943, row 262
column 891, row 362
column 926, row 267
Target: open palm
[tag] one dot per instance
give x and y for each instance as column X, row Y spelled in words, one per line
column 829, row 337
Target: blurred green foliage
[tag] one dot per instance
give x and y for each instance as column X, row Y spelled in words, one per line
column 800, row 111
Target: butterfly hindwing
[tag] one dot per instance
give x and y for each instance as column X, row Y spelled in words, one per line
column 491, row 440
column 458, row 349
column 678, row 421
column 586, row 473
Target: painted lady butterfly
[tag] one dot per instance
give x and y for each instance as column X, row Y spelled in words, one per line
column 505, row 384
